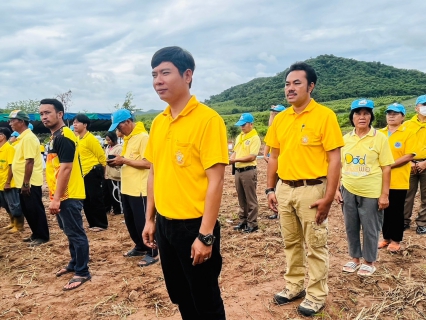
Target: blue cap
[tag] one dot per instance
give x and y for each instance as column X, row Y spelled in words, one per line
column 362, row 103
column 119, row 116
column 15, row 134
column 278, row 108
column 72, row 128
column 421, row 99
column 245, row 118
column 30, row 126
column 397, row 108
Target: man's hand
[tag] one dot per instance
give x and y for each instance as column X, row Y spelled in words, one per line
column 148, row 234
column 200, row 252
column 118, row 161
column 323, row 208
column 413, row 167
column 7, row 186
column 54, row 206
column 272, row 202
column 421, row 166
column 383, row 201
column 25, row 191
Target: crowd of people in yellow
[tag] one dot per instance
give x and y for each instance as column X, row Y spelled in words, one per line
column 170, row 184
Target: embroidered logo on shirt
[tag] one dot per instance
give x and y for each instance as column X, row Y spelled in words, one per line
column 179, row 157
column 398, row 144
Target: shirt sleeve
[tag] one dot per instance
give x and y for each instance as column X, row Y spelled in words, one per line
column 98, row 151
column 143, row 145
column 214, row 143
column 410, row 144
column 31, row 148
column 65, row 149
column 271, row 136
column 385, row 155
column 255, row 146
column 332, row 135
column 10, row 155
column 148, row 154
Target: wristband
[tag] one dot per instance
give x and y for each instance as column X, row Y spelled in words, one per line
column 269, row 190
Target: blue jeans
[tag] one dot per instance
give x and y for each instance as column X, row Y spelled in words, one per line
column 71, row 222
column 10, row 201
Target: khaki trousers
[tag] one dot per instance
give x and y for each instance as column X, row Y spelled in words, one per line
column 246, row 183
column 298, row 227
column 415, row 179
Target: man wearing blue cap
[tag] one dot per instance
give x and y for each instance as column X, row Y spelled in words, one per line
column 134, row 182
column 246, row 149
column 418, row 168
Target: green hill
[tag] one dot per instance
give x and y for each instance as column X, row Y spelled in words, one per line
column 338, row 78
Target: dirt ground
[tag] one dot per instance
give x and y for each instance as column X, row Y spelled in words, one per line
column 253, row 269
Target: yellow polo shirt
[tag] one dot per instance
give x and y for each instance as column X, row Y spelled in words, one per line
column 303, row 140
column 134, row 182
column 27, row 147
column 6, row 158
column 401, row 142
column 63, row 149
column 247, row 144
column 91, row 152
column 419, row 129
column 181, row 150
column 362, row 159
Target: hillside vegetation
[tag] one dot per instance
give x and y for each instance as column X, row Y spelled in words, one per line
column 338, row 78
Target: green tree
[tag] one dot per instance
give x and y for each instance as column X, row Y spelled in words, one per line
column 127, row 104
column 29, row 106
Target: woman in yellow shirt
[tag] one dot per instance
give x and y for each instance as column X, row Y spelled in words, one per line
column 402, row 143
column 366, row 160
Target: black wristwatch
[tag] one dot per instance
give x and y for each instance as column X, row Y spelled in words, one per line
column 269, row 190
column 208, row 239
column 26, row 185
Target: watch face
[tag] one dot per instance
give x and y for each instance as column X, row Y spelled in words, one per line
column 208, row 239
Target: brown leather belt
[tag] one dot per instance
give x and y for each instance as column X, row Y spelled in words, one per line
column 301, row 183
column 245, row 168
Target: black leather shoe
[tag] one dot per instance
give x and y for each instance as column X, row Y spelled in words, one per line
column 241, row 226
column 251, row 229
column 29, row 239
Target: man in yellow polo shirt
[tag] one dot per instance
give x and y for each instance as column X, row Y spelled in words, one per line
column 66, row 190
column 134, row 182
column 418, row 168
column 305, row 158
column 93, row 161
column 27, row 171
column 188, row 150
column 246, row 149
column 9, row 194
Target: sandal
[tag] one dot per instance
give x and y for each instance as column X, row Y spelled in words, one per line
column 368, row 270
column 383, row 244
column 78, row 279
column 134, row 253
column 63, row 271
column 350, row 267
column 394, row 248
column 147, row 261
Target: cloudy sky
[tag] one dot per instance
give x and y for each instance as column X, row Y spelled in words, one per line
column 102, row 49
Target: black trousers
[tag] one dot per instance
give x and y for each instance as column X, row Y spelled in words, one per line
column 134, row 209
column 93, row 205
column 393, row 223
column 111, row 195
column 195, row 289
column 33, row 210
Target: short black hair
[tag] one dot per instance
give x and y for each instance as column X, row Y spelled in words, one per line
column 56, row 104
column 80, row 117
column 351, row 115
column 311, row 75
column 112, row 135
column 181, row 59
column 6, row 132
